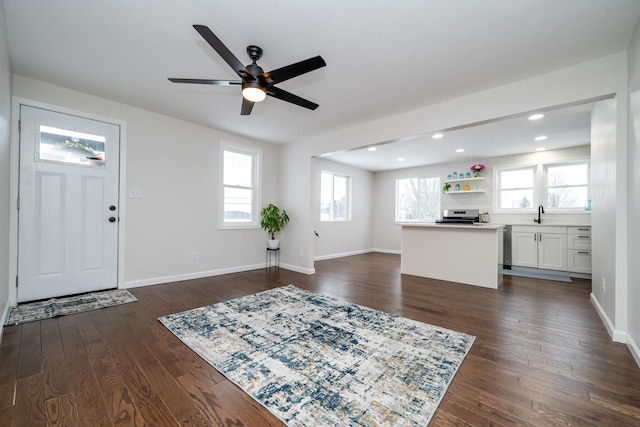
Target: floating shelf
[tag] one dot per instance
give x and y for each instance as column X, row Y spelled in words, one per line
column 463, row 191
column 480, row 178
column 463, row 181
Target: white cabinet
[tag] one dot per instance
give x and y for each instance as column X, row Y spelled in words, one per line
column 524, row 248
column 539, row 247
column 552, row 251
column 579, row 249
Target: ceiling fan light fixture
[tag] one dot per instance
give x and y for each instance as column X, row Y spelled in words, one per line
column 252, row 91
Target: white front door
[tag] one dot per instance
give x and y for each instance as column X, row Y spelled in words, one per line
column 68, row 207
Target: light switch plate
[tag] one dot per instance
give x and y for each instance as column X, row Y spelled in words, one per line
column 135, row 193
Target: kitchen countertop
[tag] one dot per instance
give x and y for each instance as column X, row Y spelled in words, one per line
column 457, row 226
column 549, row 224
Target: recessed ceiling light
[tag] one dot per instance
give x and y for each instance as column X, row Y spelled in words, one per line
column 536, row 116
column 460, row 150
column 401, row 159
column 540, row 138
column 540, row 149
column 437, row 135
column 372, row 148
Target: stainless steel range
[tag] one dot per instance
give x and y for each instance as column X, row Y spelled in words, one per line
column 460, row 216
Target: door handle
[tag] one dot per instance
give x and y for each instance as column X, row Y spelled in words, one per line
column 112, row 219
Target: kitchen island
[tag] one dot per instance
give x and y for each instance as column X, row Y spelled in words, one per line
column 457, row 253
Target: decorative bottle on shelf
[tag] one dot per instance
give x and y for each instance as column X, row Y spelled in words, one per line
column 457, row 187
column 455, row 175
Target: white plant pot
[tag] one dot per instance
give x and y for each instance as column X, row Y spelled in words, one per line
column 273, row 243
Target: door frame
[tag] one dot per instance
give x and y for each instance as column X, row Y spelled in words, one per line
column 14, row 181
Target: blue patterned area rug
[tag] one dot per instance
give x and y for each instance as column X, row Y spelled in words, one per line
column 315, row 361
column 53, row 307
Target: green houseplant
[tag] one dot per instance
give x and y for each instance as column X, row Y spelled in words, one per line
column 272, row 221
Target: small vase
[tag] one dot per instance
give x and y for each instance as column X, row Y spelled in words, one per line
column 477, row 174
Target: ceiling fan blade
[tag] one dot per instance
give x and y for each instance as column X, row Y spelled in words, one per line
column 219, row 47
column 247, row 106
column 294, row 70
column 208, row 82
column 289, row 97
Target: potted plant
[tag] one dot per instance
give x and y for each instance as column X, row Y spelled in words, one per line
column 273, row 220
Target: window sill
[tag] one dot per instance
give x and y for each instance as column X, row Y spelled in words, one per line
column 238, row 227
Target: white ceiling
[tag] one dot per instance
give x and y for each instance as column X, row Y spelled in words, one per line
column 383, row 57
column 569, row 126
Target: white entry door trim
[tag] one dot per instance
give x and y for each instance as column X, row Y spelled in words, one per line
column 17, row 102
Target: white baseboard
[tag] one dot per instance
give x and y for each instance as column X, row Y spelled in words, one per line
column 634, row 349
column 297, row 269
column 388, row 251
column 342, row 254
column 616, row 335
column 359, row 252
column 5, row 313
column 201, row 274
column 190, row 276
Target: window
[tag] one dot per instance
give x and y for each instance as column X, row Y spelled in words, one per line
column 335, row 197
column 71, row 147
column 516, row 188
column 417, row 199
column 567, row 185
column 240, row 166
column 558, row 186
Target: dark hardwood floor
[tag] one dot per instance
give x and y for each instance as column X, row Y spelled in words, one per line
column 541, row 358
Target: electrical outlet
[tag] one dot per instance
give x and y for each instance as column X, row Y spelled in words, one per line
column 604, row 285
column 194, row 256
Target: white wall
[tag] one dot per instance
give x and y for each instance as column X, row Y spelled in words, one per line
column 387, row 234
column 344, row 238
column 604, row 196
column 634, row 196
column 633, row 301
column 5, row 164
column 175, row 164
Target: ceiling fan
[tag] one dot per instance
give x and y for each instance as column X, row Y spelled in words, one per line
column 256, row 84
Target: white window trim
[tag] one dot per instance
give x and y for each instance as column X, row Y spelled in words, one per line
column 498, row 188
column 257, row 185
column 417, row 221
column 546, row 188
column 348, row 196
column 540, row 195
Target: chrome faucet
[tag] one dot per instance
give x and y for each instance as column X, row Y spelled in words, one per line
column 540, row 211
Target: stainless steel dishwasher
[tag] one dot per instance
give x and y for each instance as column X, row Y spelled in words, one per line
column 506, row 248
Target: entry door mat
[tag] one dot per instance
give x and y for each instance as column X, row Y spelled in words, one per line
column 315, row 361
column 534, row 275
column 53, row 307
